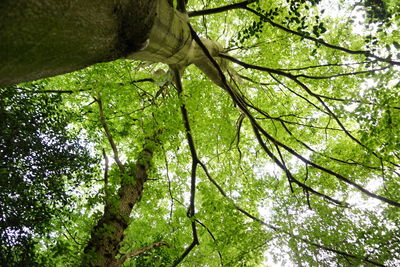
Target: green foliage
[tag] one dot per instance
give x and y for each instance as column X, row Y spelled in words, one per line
column 40, row 161
column 332, row 106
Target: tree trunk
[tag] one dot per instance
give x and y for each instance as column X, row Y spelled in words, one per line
column 108, row 234
column 43, row 38
column 170, row 40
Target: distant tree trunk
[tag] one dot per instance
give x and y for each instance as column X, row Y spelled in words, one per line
column 107, row 235
column 42, row 38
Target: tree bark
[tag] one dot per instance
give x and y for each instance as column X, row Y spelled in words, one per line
column 43, row 38
column 107, row 235
column 170, row 40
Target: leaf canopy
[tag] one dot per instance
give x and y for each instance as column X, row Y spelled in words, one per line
column 308, row 175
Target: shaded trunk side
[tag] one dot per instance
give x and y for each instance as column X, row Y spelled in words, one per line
column 48, row 37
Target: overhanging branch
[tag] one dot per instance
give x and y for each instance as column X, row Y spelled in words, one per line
column 241, row 103
column 221, row 9
column 319, row 41
column 308, row 90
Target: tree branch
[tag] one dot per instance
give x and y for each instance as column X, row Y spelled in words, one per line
column 346, row 50
column 326, row 65
column 181, row 5
column 311, row 93
column 106, row 168
column 221, row 9
column 328, row 157
column 239, row 101
column 140, row 251
column 213, row 237
column 279, row 230
column 108, row 134
column 53, row 91
column 195, row 161
column 288, row 172
column 340, row 74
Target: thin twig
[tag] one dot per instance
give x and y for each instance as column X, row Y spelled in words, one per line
column 213, row 237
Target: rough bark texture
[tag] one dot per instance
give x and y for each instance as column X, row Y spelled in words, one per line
column 108, row 234
column 42, row 38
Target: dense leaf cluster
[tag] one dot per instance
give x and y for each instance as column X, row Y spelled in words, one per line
column 40, row 159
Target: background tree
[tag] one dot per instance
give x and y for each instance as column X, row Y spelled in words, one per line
column 40, row 160
column 291, row 149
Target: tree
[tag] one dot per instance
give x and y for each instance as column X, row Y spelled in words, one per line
column 39, row 158
column 292, row 148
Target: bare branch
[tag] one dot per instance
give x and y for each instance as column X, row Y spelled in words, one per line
column 140, row 251
column 195, row 161
column 109, row 135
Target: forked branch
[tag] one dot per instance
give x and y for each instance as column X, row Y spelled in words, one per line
column 108, row 134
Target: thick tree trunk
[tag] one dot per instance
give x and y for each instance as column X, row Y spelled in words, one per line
column 170, row 40
column 108, row 234
column 42, row 38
